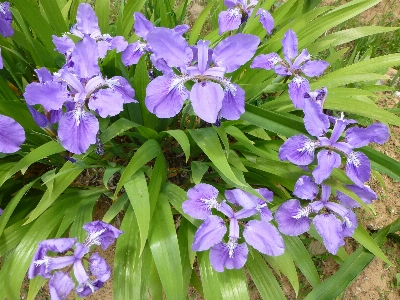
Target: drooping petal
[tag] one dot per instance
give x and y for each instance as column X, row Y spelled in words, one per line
column 124, row 88
column 349, row 224
column 233, row 102
column 235, row 51
column 209, row 233
column 282, row 70
column 265, row 61
column 106, row 102
column 206, row 98
column 6, row 29
column 266, row 20
column 85, row 58
column 60, row 285
column 170, row 46
column 43, row 75
column 264, row 237
column 230, row 256
column 331, row 231
column 77, row 130
column 142, row 25
column 229, row 20
column 99, row 267
column 298, row 149
column 118, row 43
column 100, row 233
column 289, row 43
column 315, row 121
column 365, row 193
column 165, row 96
column 161, row 65
column 12, row 135
column 202, row 198
column 297, row 88
column 64, row 44
column 51, row 95
column 359, row 137
column 132, row 53
column 240, row 197
column 358, row 168
column 318, row 96
column 292, row 219
column 327, row 161
column 305, row 188
column 314, row 68
column 86, row 20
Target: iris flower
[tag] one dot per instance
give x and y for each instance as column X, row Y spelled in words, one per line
column 12, row 135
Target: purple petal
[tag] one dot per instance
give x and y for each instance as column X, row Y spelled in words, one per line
column 100, row 233
column 265, row 61
column 60, row 285
column 233, row 103
column 229, row 20
column 142, row 25
column 298, row 149
column 55, row 116
column 340, row 126
column 6, row 29
column 327, row 160
column 118, row 43
column 51, row 95
column 85, row 58
column 202, row 198
column 282, row 70
column 264, row 237
column 202, row 55
column 292, row 219
column 80, row 275
column 165, row 96
column 209, row 233
column 359, row 137
column 364, row 193
column 106, row 102
column 305, row 188
column 60, row 262
column 64, row 44
column 314, row 68
column 349, row 224
column 266, row 20
column 230, row 256
column 12, row 135
column 304, row 56
column 235, row 51
column 315, row 121
column 330, row 229
column 181, row 29
column 326, row 192
column 226, row 210
column 358, row 168
column 161, row 65
column 297, row 88
column 77, row 130
column 86, row 20
column 132, row 53
column 124, row 88
column 99, row 267
column 240, row 197
column 170, row 46
column 289, row 44
column 206, row 98
column 318, row 96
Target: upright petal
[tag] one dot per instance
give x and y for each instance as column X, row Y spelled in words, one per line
column 229, row 20
column 86, row 20
column 202, row 55
column 314, row 68
column 85, row 58
column 265, row 61
column 230, row 256
column 106, row 102
column 233, row 102
column 64, row 44
column 292, row 219
column 298, row 149
column 12, row 135
column 289, row 43
column 77, row 130
column 315, row 121
column 327, row 161
column 202, row 198
column 235, row 51
column 359, row 137
column 240, row 197
column 297, row 88
column 51, row 95
column 349, row 224
column 264, row 237
column 305, row 188
column 206, row 98
column 60, row 285
column 142, row 26
column 331, row 231
column 266, row 20
column 209, row 233
column 358, row 168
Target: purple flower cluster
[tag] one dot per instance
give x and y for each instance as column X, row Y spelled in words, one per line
column 67, row 95
column 61, row 283
column 260, row 234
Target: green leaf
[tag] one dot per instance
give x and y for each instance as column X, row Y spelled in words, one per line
column 182, row 139
column 127, row 16
column 117, row 128
column 233, row 284
column 198, row 25
column 165, row 249
column 207, row 139
column 102, row 9
column 209, row 278
column 149, row 150
column 157, row 180
column 54, row 16
column 383, row 163
column 115, row 208
column 12, row 236
column 286, row 265
column 198, row 170
column 138, row 194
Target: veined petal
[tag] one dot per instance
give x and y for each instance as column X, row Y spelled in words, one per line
column 264, row 237
column 99, row 267
column 181, row 29
column 304, row 56
column 266, row 20
column 349, row 224
column 315, row 121
column 100, row 233
column 305, row 188
column 215, row 72
column 142, row 26
column 202, row 55
column 298, row 149
column 40, row 119
column 132, row 53
column 230, row 256
column 202, row 198
column 229, row 20
column 233, row 102
column 94, row 84
column 241, row 198
column 358, row 168
column 77, row 130
column 118, row 43
column 124, row 88
column 85, row 58
column 106, row 102
column 293, row 219
column 265, row 61
column 60, row 285
column 6, row 29
column 235, row 51
column 314, row 68
column 327, row 161
column 297, row 88
column 43, row 75
column 364, row 193
column 165, row 95
column 12, row 135
column 209, row 233
column 289, row 43
column 51, row 95
column 72, row 80
column 64, row 44
column 331, row 231
column 86, row 20
column 206, row 98
column 359, row 137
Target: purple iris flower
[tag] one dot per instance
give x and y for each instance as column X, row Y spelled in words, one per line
column 237, row 13
column 294, row 64
column 12, row 135
column 87, row 25
column 213, row 96
column 333, row 223
column 6, row 29
column 259, row 234
column 61, row 284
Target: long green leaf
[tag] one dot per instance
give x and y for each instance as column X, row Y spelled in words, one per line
column 198, row 25
column 182, row 139
column 102, row 9
column 209, row 278
column 54, row 16
column 233, row 284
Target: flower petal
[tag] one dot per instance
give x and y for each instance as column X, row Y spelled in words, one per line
column 265, row 61
column 64, row 44
column 315, row 121
column 60, row 285
column 331, row 231
column 132, row 53
column 142, row 25
column 51, row 95
column 314, row 68
column 99, row 267
column 358, row 168
column 327, row 161
column 209, row 233
column 298, row 149
column 229, row 256
column 229, row 20
column 233, row 103
column 106, row 102
column 305, row 188
column 289, row 43
column 86, row 20
column 124, row 88
column 101, row 233
column 206, row 98
column 85, row 58
column 364, row 193
column 292, row 219
column 266, row 20
column 359, row 137
column 202, row 198
column 297, row 88
column 12, row 135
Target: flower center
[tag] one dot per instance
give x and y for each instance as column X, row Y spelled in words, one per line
column 353, row 159
column 309, row 146
column 232, row 244
column 303, row 212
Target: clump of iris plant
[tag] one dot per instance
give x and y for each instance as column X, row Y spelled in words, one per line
column 89, row 280
column 254, row 216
